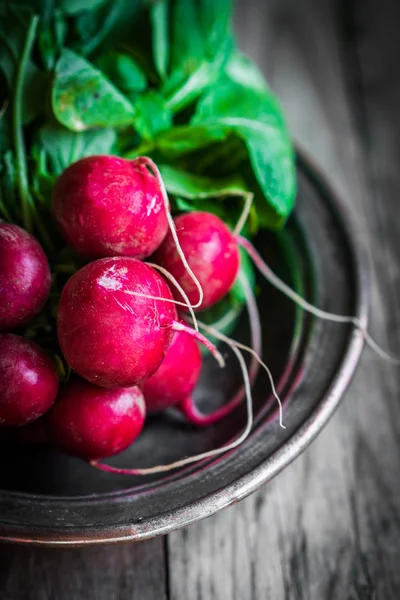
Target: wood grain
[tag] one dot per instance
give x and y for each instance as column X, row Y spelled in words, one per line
column 134, row 572
column 328, row 527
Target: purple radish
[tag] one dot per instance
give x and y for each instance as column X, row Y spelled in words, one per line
column 24, row 277
column 176, row 377
column 205, row 256
column 115, row 321
column 110, row 206
column 28, row 381
column 93, row 422
column 175, row 380
column 211, row 251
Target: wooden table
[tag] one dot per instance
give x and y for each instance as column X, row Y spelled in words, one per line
column 329, row 526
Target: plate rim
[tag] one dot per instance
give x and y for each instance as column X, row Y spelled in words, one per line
column 238, row 490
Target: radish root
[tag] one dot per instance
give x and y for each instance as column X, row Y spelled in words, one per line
column 176, row 326
column 198, row 457
column 307, row 306
column 223, row 337
column 145, row 160
column 188, row 406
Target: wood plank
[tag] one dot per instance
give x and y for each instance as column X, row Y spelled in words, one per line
column 126, row 572
column 328, row 526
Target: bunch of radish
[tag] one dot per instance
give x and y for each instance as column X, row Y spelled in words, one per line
column 126, row 321
column 122, row 323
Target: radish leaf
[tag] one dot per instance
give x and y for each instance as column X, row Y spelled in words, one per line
column 83, row 98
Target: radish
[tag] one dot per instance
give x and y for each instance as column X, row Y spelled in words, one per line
column 175, row 380
column 28, row 380
column 211, row 251
column 192, row 459
column 108, row 206
column 92, row 422
column 189, row 408
column 176, row 377
column 24, row 277
column 206, row 260
column 115, row 321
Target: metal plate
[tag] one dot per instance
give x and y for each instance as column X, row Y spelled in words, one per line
column 48, row 498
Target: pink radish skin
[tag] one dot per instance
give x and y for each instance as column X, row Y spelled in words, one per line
column 110, row 335
column 110, row 206
column 173, row 384
column 92, row 422
column 24, row 277
column 28, row 381
column 176, row 377
column 211, row 251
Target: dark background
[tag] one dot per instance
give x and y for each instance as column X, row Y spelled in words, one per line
column 329, row 526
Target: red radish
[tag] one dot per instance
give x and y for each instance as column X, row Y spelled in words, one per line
column 209, row 248
column 28, row 380
column 115, row 321
column 198, row 457
column 211, row 251
column 175, row 380
column 176, row 377
column 92, row 422
column 24, row 277
column 110, row 206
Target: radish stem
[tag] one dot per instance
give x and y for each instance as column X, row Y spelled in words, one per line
column 245, row 213
column 19, row 143
column 188, row 406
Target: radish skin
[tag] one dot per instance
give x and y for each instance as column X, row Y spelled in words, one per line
column 93, row 422
column 24, row 277
column 28, row 381
column 211, row 251
column 177, row 376
column 108, row 334
column 198, row 457
column 109, row 206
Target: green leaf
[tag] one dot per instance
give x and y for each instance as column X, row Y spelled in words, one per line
column 201, row 44
column 83, row 98
column 124, row 72
column 8, row 181
column 152, row 115
column 247, row 270
column 256, row 117
column 52, row 34
column 71, row 7
column 228, row 210
column 198, row 30
column 12, row 39
column 159, row 17
column 64, row 147
column 242, row 70
column 188, row 138
column 187, row 185
column 207, row 74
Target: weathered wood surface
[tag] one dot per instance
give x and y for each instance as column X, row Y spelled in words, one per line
column 328, row 528
column 130, row 571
